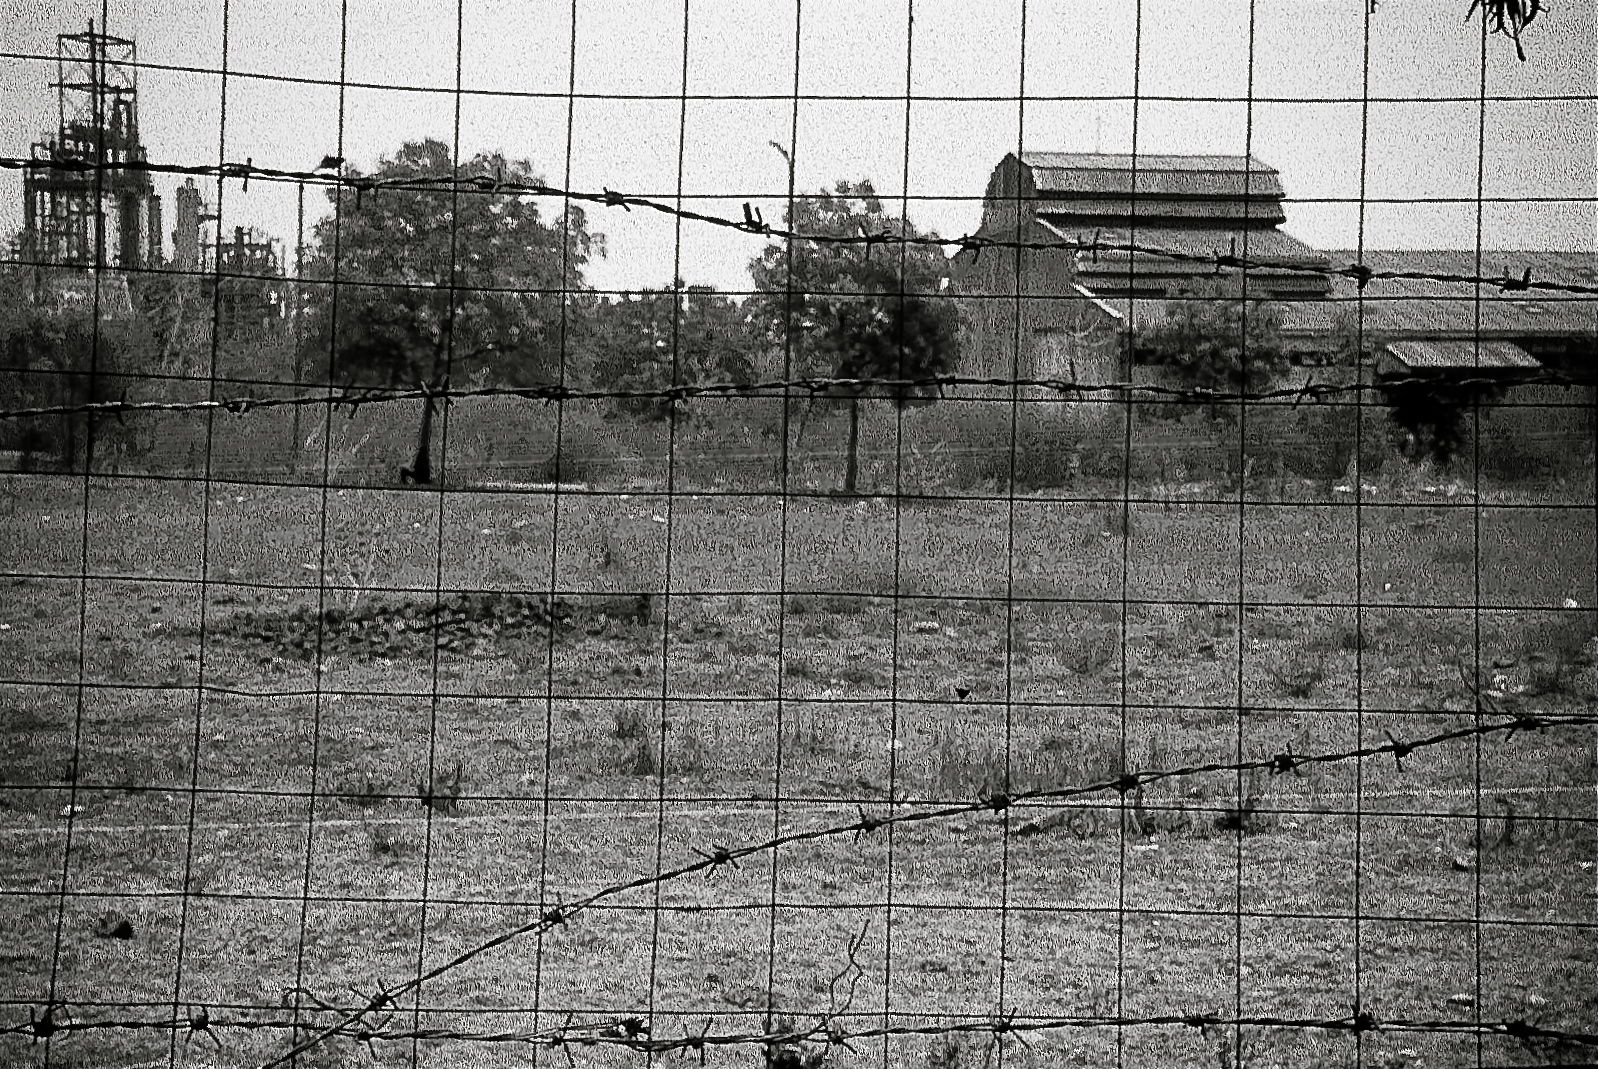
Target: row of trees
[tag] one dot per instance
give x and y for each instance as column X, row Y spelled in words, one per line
column 473, row 289
column 491, row 288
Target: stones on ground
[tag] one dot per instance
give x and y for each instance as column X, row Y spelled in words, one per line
column 465, row 623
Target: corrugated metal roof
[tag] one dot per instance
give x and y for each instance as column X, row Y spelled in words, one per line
column 1262, row 244
column 1399, row 307
column 1086, row 174
column 1455, row 355
column 1256, row 210
column 1146, row 161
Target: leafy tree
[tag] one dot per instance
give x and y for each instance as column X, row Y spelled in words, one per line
column 636, row 346
column 1209, row 340
column 889, row 337
column 1430, row 413
column 430, row 277
column 855, row 310
column 55, row 354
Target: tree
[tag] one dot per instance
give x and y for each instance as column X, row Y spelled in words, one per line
column 890, row 337
column 636, row 346
column 1210, row 340
column 855, row 310
column 57, row 355
column 1430, row 412
column 431, row 277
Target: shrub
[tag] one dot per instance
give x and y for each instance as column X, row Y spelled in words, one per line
column 1299, row 673
column 364, row 792
column 1343, row 637
column 1091, row 649
column 634, row 722
column 591, row 448
column 1553, row 646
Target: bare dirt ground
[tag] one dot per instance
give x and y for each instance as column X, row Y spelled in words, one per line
column 257, row 824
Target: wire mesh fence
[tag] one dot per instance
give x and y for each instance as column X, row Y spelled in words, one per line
column 1155, row 626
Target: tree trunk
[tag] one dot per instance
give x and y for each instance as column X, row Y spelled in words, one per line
column 851, row 471
column 420, row 473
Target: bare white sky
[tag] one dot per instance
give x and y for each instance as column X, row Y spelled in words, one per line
column 851, row 52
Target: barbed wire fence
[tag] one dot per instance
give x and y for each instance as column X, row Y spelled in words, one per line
column 982, row 763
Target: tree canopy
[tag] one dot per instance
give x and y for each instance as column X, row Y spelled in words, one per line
column 660, row 338
column 1208, row 339
column 855, row 310
column 57, row 354
column 420, row 266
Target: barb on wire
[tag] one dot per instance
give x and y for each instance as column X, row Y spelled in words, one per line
column 353, row 397
column 486, row 184
column 634, row 1034
column 709, row 861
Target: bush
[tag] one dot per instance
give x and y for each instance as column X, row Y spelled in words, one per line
column 1299, row 673
column 1554, row 646
column 1091, row 649
column 968, row 444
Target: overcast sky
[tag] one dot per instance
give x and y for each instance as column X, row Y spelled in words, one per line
column 851, row 51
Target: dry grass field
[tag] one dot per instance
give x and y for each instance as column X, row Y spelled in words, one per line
column 258, row 824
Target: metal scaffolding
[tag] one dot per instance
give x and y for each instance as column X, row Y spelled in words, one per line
column 92, row 217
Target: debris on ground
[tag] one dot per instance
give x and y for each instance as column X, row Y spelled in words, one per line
column 462, row 624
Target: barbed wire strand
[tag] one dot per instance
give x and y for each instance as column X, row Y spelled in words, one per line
column 718, row 856
column 753, row 223
column 355, row 397
column 635, row 1034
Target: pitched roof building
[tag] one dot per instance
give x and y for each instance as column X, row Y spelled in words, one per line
column 1191, row 205
column 1196, row 207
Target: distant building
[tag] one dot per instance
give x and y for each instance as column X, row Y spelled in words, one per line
column 190, row 214
column 1190, row 205
column 1066, row 312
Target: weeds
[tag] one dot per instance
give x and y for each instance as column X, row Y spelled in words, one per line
column 1244, row 1053
column 1090, row 650
column 796, row 667
column 635, row 730
column 688, row 754
column 820, row 627
column 364, row 792
column 955, row 1051
column 443, row 793
column 1342, row 637
column 962, row 766
column 633, row 723
column 859, row 674
column 640, row 759
column 814, row 730
column 1553, row 646
column 1534, row 831
column 1299, row 673
column 383, row 842
column 1243, row 816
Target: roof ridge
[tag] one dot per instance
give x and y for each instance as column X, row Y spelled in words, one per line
column 1146, row 157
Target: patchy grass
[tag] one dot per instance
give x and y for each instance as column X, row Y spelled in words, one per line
column 1298, row 673
column 197, row 818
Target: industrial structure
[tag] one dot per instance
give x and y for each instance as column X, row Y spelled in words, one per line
column 252, row 294
column 90, row 205
column 77, row 212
